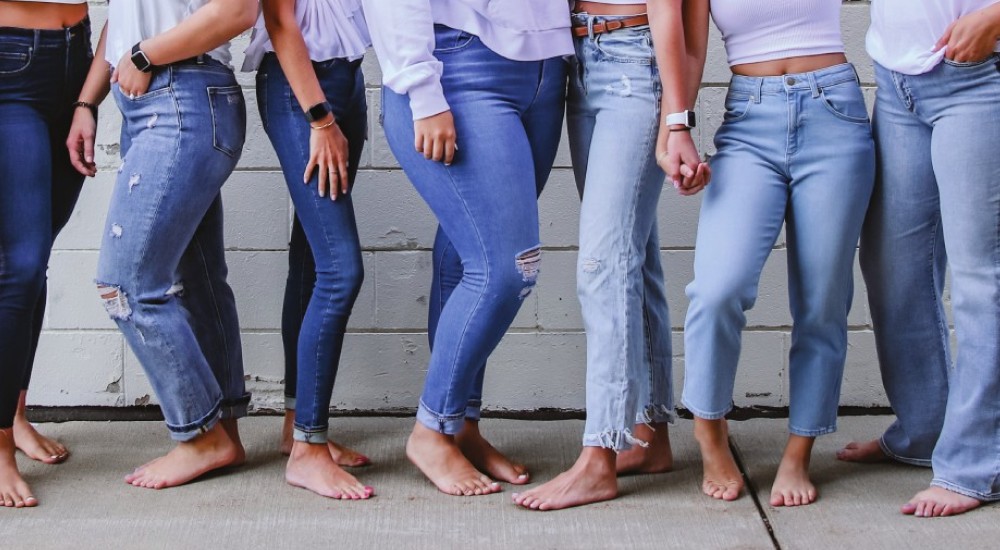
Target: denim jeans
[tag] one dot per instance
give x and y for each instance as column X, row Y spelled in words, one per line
column 162, row 269
column 486, row 205
column 299, row 285
column 41, row 73
column 936, row 205
column 795, row 149
column 329, row 227
column 613, row 114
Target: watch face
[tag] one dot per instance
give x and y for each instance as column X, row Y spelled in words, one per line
column 691, row 119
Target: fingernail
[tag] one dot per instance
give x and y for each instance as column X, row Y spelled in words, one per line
column 522, row 476
column 677, row 184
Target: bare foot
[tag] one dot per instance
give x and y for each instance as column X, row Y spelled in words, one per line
column 310, row 466
column 868, row 452
column 437, row 455
column 343, row 456
column 14, row 491
column 722, row 478
column 591, row 479
column 654, row 459
column 486, row 458
column 939, row 502
column 33, row 444
column 792, row 486
column 189, row 459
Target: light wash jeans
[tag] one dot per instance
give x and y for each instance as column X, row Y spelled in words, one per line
column 508, row 117
column 162, row 268
column 329, row 227
column 613, row 115
column 795, row 149
column 938, row 190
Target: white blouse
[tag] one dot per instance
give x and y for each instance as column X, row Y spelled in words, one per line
column 332, row 29
column 133, row 21
column 904, row 32
column 403, row 35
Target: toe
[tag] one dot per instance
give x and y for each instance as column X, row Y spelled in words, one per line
column 30, row 501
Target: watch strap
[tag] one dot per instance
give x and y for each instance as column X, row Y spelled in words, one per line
column 318, row 111
column 140, row 59
column 683, row 118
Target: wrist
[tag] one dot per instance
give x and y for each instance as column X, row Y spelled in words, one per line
column 140, row 59
column 89, row 105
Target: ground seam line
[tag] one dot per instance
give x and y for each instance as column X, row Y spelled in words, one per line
column 752, row 490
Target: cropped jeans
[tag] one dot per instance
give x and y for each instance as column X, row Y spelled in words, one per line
column 508, row 118
column 795, row 149
column 937, row 205
column 162, row 269
column 41, row 73
column 331, row 249
column 613, row 113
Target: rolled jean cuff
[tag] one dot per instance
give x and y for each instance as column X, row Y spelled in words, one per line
column 616, row 440
column 445, row 424
column 194, row 429
column 235, row 408
column 290, row 403
column 707, row 415
column 923, row 462
column 980, row 496
column 816, row 432
column 315, row 436
column 474, row 410
column 656, row 414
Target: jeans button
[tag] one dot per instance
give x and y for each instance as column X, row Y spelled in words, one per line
column 790, row 81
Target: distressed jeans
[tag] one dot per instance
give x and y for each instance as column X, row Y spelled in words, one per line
column 487, row 249
column 41, row 73
column 613, row 115
column 162, row 269
column 795, row 149
column 330, row 230
column 937, row 205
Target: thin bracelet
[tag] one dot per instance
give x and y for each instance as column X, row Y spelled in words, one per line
column 327, row 125
column 678, row 130
column 91, row 106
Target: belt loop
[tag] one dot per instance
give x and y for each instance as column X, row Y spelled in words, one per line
column 813, row 85
column 758, row 90
column 200, row 59
column 590, row 26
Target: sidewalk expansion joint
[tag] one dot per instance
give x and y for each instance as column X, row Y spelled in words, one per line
column 751, row 488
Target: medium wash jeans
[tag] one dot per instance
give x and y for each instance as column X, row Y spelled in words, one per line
column 613, row 113
column 508, row 118
column 41, row 73
column 162, row 269
column 936, row 205
column 329, row 227
column 795, row 149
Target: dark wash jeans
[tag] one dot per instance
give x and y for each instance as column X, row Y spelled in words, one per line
column 41, row 73
column 325, row 267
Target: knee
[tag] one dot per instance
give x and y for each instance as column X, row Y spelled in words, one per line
column 721, row 294
column 528, row 264
column 115, row 301
column 342, row 283
column 23, row 274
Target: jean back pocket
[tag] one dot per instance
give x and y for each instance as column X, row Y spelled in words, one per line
column 229, row 119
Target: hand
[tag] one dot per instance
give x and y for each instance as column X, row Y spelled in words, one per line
column 678, row 157
column 131, row 81
column 435, row 137
column 81, row 142
column 971, row 38
column 328, row 153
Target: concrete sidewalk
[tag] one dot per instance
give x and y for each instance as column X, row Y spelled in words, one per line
column 85, row 504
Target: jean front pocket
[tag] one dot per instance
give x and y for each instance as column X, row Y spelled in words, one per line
column 846, row 102
column 737, row 106
column 968, row 64
column 449, row 40
column 229, row 119
column 626, row 46
column 14, row 58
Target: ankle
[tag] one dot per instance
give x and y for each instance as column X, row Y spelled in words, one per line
column 598, row 459
column 303, row 450
column 711, row 433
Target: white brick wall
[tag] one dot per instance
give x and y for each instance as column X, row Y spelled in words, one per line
column 83, row 360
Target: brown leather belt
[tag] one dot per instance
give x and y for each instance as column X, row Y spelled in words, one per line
column 613, row 25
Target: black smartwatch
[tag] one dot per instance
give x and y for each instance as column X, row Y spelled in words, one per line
column 318, row 111
column 141, row 60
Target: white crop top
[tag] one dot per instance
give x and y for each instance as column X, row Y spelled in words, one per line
column 54, row 1
column 403, row 35
column 332, row 29
column 136, row 20
column 764, row 30
column 904, row 32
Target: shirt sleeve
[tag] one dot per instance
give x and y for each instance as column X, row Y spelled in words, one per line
column 402, row 32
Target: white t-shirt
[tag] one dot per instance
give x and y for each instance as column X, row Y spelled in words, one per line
column 332, row 29
column 904, row 32
column 764, row 30
column 133, row 21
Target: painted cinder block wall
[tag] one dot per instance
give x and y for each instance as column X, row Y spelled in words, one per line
column 84, row 361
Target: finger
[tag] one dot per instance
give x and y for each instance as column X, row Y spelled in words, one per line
column 449, row 151
column 114, row 76
column 673, row 171
column 309, row 170
column 345, row 180
column 945, row 38
column 334, row 179
column 686, row 171
column 88, row 149
column 322, row 175
column 418, row 142
column 437, row 152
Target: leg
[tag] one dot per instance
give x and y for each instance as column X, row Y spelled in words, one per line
column 298, row 291
column 903, row 261
column 965, row 459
